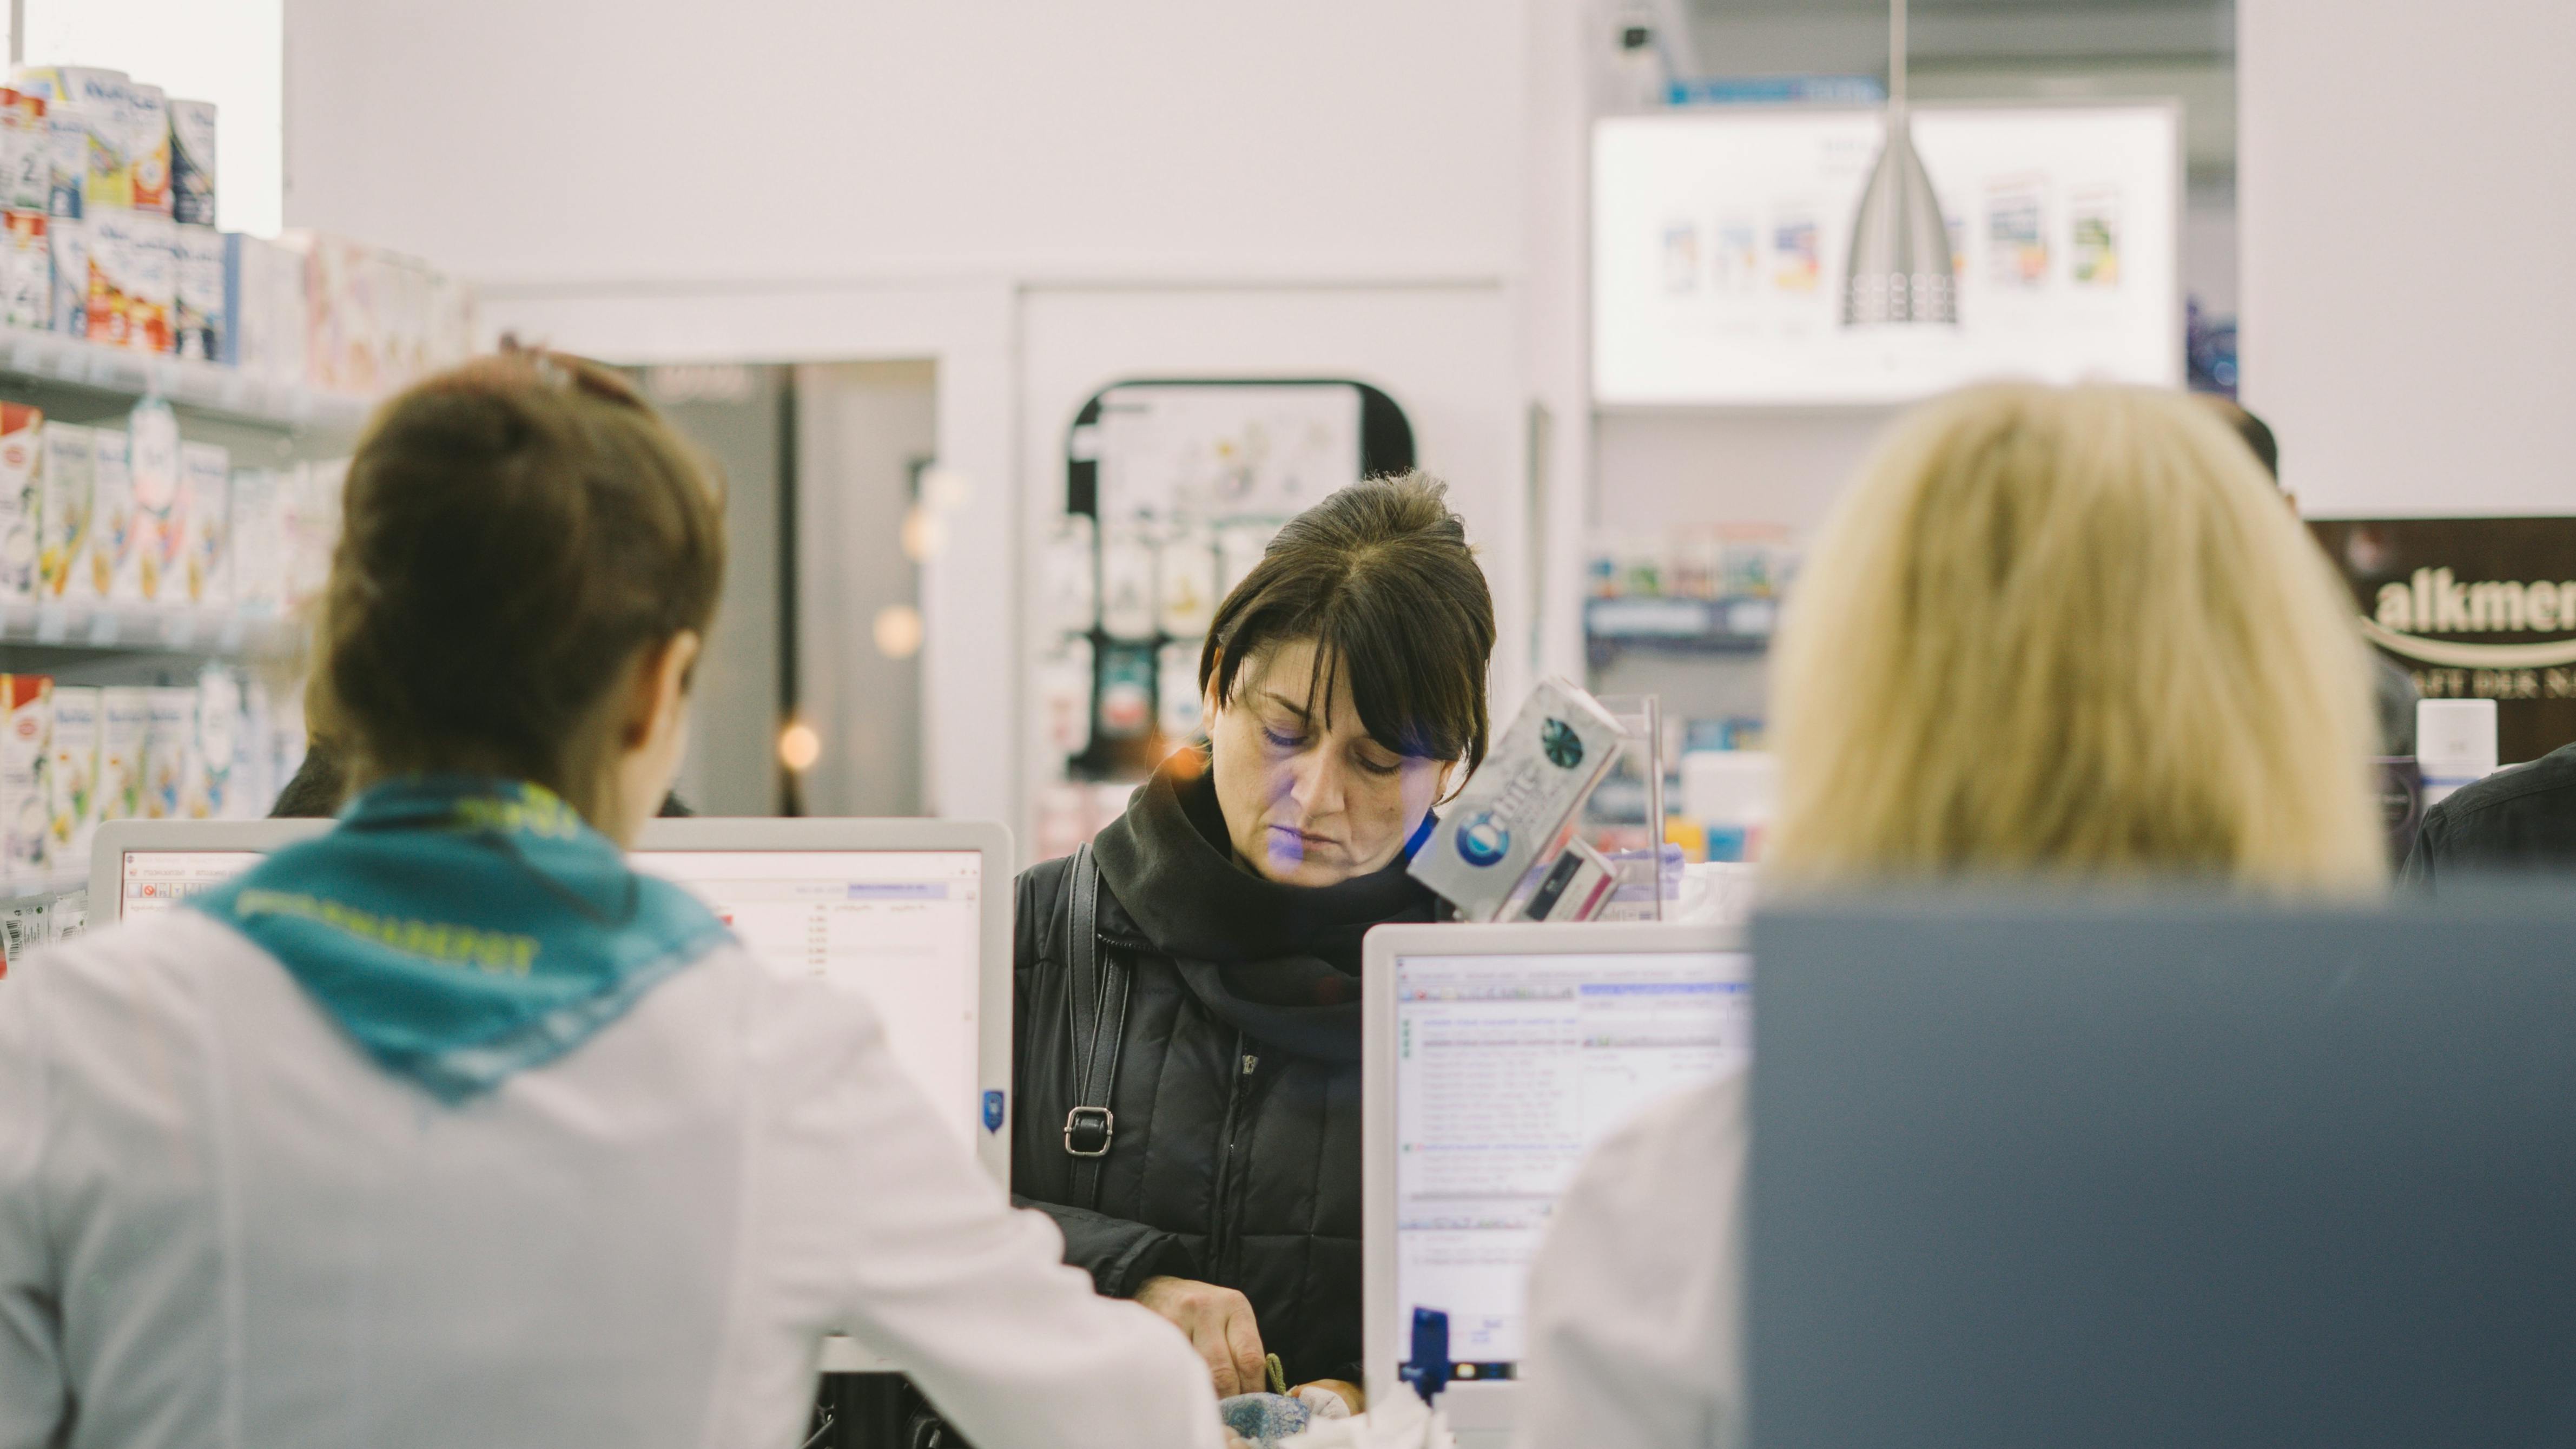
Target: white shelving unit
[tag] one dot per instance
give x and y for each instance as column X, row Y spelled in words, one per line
column 51, row 359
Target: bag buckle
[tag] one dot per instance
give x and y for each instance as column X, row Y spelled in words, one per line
column 1087, row 1131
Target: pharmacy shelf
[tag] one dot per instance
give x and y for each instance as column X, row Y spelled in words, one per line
column 20, row 890
column 54, row 360
column 145, row 629
column 1712, row 626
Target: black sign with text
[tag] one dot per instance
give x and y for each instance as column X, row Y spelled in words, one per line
column 2475, row 608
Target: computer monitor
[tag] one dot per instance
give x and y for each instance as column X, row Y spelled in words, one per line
column 916, row 914
column 1495, row 1056
column 2182, row 1172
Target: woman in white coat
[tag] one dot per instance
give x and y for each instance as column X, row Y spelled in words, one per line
column 2060, row 633
column 448, row 1127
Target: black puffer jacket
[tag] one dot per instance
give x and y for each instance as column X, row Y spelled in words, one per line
column 1237, row 1154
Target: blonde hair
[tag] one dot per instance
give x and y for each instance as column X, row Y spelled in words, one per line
column 2072, row 632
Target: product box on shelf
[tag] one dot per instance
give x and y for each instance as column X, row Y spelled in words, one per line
column 101, row 105
column 258, row 554
column 22, row 463
column 67, row 158
column 195, row 533
column 218, row 746
column 265, row 309
column 26, row 764
column 64, row 477
column 27, row 145
column 130, row 282
column 73, row 789
column 198, row 316
column 152, row 460
column 125, row 721
column 192, row 162
column 67, row 238
column 170, row 765
column 147, row 122
column 112, row 564
column 26, row 269
column 311, row 514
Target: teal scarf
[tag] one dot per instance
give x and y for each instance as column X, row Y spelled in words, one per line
column 460, row 929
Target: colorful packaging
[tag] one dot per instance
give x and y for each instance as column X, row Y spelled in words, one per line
column 67, row 158
column 102, row 105
column 64, row 479
column 22, row 464
column 26, row 269
column 258, row 547
column 125, row 722
column 172, row 769
column 203, row 468
column 72, row 789
column 219, row 733
column 147, row 130
column 26, row 764
column 112, row 565
column 311, row 513
column 211, row 515
column 198, row 318
column 68, row 239
column 130, row 282
column 152, row 463
column 1514, row 812
column 192, row 162
column 27, row 147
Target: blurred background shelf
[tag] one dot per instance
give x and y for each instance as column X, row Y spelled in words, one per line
column 98, row 628
column 1707, row 626
column 36, row 364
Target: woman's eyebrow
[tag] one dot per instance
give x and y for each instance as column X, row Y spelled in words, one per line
column 1284, row 702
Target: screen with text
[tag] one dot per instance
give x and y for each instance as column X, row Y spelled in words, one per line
column 1509, row 1069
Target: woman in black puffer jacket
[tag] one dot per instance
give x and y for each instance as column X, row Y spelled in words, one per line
column 1345, row 690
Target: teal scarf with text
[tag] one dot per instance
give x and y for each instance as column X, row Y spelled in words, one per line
column 460, row 929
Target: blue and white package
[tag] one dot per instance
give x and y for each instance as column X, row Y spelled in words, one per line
column 1514, row 810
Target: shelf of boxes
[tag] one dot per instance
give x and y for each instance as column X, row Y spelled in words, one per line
column 147, row 629
column 209, row 388
column 1718, row 626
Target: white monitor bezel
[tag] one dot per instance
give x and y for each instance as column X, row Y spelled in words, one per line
column 993, row 988
column 1385, row 1335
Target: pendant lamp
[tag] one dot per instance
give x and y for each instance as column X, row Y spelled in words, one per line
column 1900, row 267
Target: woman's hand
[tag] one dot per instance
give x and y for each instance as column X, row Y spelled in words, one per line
column 1219, row 1323
column 1349, row 1392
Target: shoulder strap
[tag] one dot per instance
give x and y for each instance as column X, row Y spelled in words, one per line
column 1096, row 993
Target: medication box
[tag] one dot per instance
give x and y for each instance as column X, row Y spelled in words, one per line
column 112, row 565
column 1515, row 810
column 197, row 516
column 22, row 461
column 26, row 762
column 131, row 290
column 198, row 315
column 72, row 789
column 64, row 478
column 125, row 723
column 192, row 163
column 171, row 767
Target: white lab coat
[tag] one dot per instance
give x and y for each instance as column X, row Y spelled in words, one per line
column 221, row 1226
column 1636, row 1296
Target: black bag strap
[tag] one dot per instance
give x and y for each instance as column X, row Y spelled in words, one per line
column 1097, row 996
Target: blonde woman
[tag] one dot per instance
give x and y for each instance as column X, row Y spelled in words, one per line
column 2057, row 633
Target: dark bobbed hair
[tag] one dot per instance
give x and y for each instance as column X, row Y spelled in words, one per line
column 1380, row 577
column 516, row 533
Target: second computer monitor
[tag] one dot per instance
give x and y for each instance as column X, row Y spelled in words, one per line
column 914, row 914
column 1494, row 1058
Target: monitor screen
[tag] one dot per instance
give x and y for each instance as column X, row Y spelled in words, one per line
column 901, row 926
column 1509, row 1069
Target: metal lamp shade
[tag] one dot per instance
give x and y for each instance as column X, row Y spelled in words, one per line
column 1900, row 256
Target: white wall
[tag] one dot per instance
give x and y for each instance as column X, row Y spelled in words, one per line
column 545, row 141
column 807, row 180
column 2407, row 202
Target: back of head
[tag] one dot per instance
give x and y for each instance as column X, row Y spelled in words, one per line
column 516, row 533
column 2072, row 632
column 1380, row 576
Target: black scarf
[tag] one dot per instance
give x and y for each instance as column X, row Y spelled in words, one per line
column 1280, row 963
